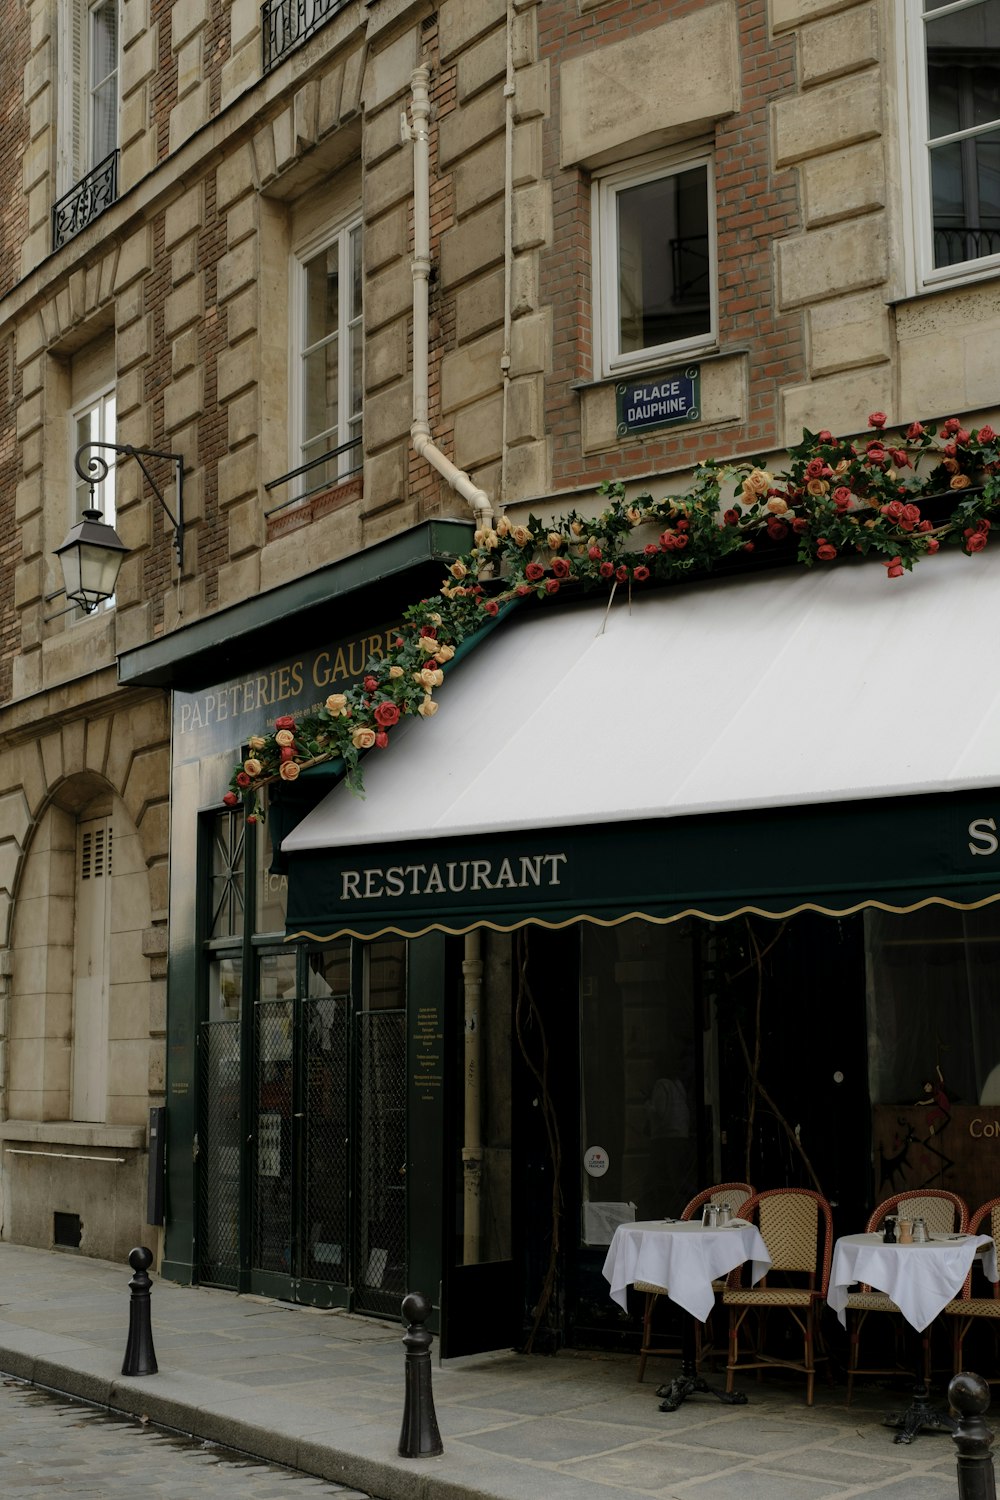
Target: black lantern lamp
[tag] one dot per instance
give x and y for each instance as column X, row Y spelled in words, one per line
column 90, row 558
column 92, row 554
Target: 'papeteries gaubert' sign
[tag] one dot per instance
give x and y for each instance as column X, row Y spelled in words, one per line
column 222, row 716
column 659, row 400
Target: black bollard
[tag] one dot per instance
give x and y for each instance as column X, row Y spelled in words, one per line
column 419, row 1437
column 969, row 1395
column 140, row 1356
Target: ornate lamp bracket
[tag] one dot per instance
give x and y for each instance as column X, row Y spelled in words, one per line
column 94, row 470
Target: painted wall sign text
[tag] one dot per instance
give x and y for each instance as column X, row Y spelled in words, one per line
column 520, row 873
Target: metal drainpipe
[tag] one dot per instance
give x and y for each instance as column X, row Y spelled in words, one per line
column 420, row 433
column 508, row 245
column 472, row 1150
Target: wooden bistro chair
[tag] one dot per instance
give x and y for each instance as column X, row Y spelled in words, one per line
column 965, row 1308
column 733, row 1193
column 797, row 1227
column 946, row 1213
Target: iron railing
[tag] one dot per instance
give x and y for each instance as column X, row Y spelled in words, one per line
column 962, row 243
column 314, row 463
column 286, row 24
column 85, row 201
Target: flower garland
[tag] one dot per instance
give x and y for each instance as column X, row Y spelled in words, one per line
column 835, row 499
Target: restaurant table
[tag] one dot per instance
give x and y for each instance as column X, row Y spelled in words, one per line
column 921, row 1280
column 684, row 1257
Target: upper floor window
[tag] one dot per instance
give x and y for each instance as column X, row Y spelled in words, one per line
column 654, row 261
column 285, row 24
column 88, row 133
column 955, row 80
column 328, row 360
column 93, row 421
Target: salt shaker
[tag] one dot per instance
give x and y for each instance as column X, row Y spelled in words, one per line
column 710, row 1216
column 920, row 1231
column 724, row 1215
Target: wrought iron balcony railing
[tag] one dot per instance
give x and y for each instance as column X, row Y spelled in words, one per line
column 956, row 243
column 286, row 24
column 85, row 201
column 327, row 480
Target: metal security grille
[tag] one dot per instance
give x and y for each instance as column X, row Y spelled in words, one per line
column 325, row 1147
column 271, row 1248
column 219, row 1153
column 381, row 1219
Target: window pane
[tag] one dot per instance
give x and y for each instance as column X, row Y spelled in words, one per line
column 103, row 81
column 226, row 898
column 963, row 75
column 322, row 295
column 272, row 888
column 965, row 186
column 386, row 975
column 663, row 261
column 320, row 393
column 225, row 988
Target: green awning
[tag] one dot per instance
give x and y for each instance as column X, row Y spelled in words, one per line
column 895, row 854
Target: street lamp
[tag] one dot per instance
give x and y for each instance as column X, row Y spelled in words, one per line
column 93, row 552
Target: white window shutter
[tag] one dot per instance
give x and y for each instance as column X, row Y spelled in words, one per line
column 91, row 960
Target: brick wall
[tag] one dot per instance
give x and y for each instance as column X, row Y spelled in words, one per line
column 755, row 206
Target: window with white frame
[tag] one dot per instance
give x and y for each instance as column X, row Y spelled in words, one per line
column 93, row 421
column 954, row 48
column 89, row 57
column 654, row 261
column 327, row 367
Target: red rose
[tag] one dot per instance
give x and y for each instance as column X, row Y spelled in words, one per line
column 287, row 753
column 607, row 569
column 976, row 541
column 641, row 573
column 371, row 683
column 915, row 431
column 430, row 630
column 987, row 435
column 231, row 799
column 681, row 542
column 950, row 450
column 825, row 552
column 594, row 553
column 621, row 573
column 949, row 428
column 534, row 571
column 731, row 517
column 933, row 544
column 381, row 739
column 386, row 714
column 651, row 549
column 814, row 469
column 877, row 419
column 824, row 435
column 892, row 562
column 893, row 510
column 799, row 525
column 523, row 589
column 982, row 524
column 896, row 571
column 285, row 722
column 560, row 568
column 552, row 585
column 776, row 530
column 747, row 547
column 683, row 525
column 911, row 513
column 962, row 437
column 490, row 607
column 842, row 497
column 875, row 453
column 242, row 779
column 251, row 817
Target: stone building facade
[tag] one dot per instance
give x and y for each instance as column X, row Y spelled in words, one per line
column 175, row 306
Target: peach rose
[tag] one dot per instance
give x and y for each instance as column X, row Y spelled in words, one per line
column 960, row 482
column 256, row 742
column 554, row 540
column 758, row 481
column 817, row 487
column 522, row 536
column 428, row 645
column 252, row 767
column 284, row 737
column 336, row 704
column 503, row 526
column 444, row 653
column 289, row 770
column 427, row 708
column 777, row 506
column 363, row 739
column 395, row 671
column 458, row 569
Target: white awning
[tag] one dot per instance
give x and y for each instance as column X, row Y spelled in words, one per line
column 797, row 687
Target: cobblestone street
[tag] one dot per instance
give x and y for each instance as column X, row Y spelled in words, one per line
column 51, row 1446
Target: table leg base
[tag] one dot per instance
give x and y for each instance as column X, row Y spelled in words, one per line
column 919, row 1416
column 682, row 1386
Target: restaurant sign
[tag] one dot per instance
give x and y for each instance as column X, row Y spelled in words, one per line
column 658, row 401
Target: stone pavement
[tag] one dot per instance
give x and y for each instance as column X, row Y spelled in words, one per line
column 322, row 1391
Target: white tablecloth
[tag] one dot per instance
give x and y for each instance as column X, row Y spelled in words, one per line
column 920, row 1279
column 683, row 1257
